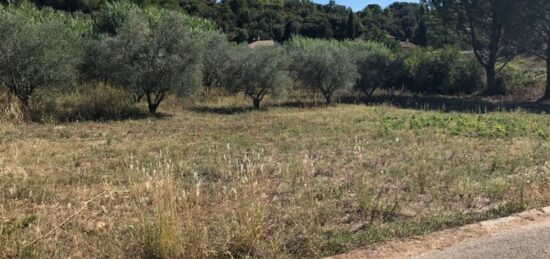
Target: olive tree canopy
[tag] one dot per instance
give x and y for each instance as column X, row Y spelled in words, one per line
column 323, row 66
column 258, row 72
column 156, row 58
column 374, row 70
column 35, row 55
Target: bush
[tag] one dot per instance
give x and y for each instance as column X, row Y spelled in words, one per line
column 515, row 80
column 443, row 71
column 94, row 102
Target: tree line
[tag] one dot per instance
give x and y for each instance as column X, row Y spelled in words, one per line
column 152, row 52
column 249, row 20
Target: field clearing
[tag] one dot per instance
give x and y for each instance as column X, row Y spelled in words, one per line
column 282, row 182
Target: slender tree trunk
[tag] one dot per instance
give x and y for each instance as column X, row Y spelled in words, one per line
column 153, row 108
column 328, row 99
column 491, row 80
column 24, row 100
column 152, row 105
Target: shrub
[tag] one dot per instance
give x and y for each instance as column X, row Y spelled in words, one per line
column 259, row 72
column 443, row 71
column 513, row 79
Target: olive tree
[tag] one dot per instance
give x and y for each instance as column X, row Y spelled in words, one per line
column 374, row 70
column 324, row 67
column 35, row 56
column 156, row 58
column 216, row 57
column 258, row 72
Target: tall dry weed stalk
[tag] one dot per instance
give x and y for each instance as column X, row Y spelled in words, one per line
column 10, row 109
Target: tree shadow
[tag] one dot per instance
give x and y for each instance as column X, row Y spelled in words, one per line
column 450, row 104
column 425, row 103
column 246, row 109
column 131, row 114
column 224, row 110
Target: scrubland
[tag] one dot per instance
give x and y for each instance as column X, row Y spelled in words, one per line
column 213, row 181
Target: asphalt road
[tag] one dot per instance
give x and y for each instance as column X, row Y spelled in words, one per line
column 532, row 241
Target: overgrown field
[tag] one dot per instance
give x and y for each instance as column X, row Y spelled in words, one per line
column 283, row 182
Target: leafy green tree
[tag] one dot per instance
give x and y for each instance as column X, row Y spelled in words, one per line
column 38, row 55
column 486, row 25
column 405, row 21
column 157, row 59
column 259, row 72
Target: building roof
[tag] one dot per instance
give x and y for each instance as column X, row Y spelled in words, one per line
column 261, row 43
column 407, row 45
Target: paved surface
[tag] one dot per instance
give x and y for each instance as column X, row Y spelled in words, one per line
column 527, row 242
column 523, row 235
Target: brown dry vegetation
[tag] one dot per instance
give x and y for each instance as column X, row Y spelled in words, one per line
column 283, row 182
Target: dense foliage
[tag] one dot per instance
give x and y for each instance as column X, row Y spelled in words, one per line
column 150, row 50
column 35, row 54
column 153, row 59
column 258, row 72
column 249, row 20
column 323, row 66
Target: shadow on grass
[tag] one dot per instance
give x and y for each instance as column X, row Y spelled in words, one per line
column 224, row 110
column 452, row 104
column 245, row 109
column 70, row 117
column 426, row 103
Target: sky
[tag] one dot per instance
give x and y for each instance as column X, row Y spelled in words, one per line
column 358, row 5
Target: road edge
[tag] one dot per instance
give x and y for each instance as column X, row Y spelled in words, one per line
column 418, row 245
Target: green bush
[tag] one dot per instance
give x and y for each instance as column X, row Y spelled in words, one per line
column 442, row 71
column 88, row 103
column 513, row 79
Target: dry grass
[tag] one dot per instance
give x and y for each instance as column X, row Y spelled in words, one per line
column 275, row 183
